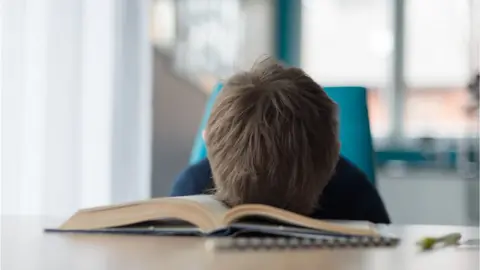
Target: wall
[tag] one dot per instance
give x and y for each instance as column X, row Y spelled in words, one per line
column 430, row 197
column 258, row 31
column 178, row 108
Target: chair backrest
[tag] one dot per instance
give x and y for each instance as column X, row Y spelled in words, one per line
column 199, row 150
column 355, row 135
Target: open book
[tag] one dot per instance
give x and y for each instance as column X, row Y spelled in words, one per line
column 203, row 215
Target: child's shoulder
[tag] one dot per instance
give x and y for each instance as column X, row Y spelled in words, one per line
column 348, row 178
column 348, row 171
column 201, row 167
column 195, row 179
column 364, row 201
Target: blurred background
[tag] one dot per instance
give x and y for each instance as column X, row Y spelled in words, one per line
column 102, row 99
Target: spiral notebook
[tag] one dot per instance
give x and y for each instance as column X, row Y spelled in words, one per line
column 300, row 242
column 300, row 238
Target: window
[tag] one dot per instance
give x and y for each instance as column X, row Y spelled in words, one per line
column 437, row 67
column 349, row 42
column 437, row 43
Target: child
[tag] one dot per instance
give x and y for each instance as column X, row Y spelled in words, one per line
column 272, row 138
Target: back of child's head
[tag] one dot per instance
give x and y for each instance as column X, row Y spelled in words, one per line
column 272, row 138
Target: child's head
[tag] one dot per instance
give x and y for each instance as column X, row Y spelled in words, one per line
column 272, row 138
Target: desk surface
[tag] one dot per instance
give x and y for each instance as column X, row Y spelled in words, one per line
column 25, row 246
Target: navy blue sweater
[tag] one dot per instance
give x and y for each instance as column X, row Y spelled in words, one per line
column 348, row 196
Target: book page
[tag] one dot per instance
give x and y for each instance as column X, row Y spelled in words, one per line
column 209, row 203
column 203, row 211
column 282, row 217
column 358, row 224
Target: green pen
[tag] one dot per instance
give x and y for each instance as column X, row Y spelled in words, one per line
column 452, row 239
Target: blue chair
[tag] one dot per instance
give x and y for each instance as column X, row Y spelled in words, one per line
column 355, row 135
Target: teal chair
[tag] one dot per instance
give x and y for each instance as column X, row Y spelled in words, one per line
column 355, row 135
column 199, row 150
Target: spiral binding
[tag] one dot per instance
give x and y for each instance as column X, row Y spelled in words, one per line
column 299, row 243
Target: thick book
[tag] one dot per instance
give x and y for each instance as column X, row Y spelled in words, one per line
column 203, row 215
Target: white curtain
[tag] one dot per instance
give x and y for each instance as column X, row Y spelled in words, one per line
column 76, row 104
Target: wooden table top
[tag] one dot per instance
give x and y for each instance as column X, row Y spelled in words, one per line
column 25, row 246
